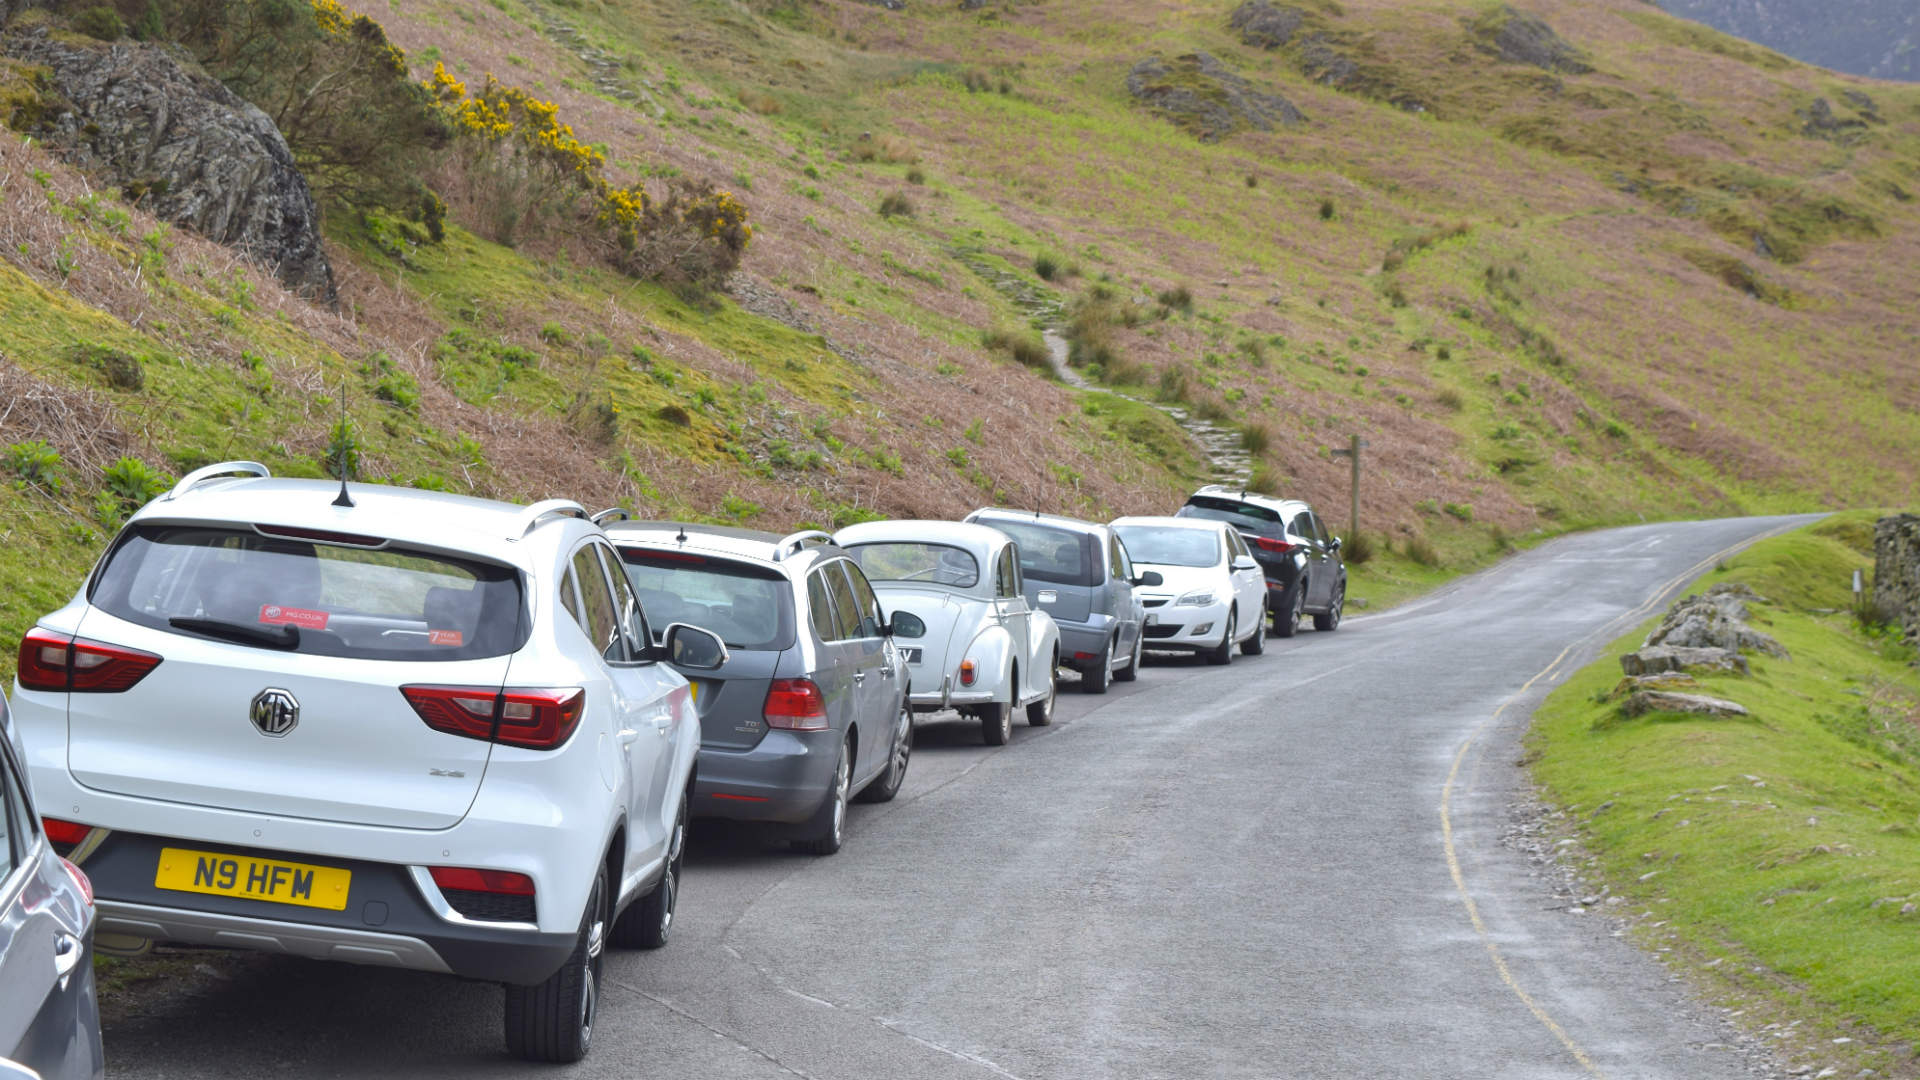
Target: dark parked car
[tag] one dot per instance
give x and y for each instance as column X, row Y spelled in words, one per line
column 1302, row 564
column 809, row 708
column 49, row 1016
column 1078, row 572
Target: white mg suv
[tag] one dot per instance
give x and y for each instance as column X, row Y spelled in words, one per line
column 381, row 726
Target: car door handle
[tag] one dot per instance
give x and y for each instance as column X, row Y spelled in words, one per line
column 67, row 952
column 663, row 722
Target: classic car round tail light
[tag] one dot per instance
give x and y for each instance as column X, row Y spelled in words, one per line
column 966, row 672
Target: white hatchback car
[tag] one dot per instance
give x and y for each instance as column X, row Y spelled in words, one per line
column 1211, row 595
column 396, row 727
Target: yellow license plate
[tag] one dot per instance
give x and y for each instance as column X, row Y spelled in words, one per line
column 271, row 880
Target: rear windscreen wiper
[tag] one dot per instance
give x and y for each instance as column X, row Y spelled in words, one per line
column 279, row 637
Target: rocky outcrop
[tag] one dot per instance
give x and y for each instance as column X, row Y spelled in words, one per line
column 1520, row 38
column 188, row 148
column 1324, row 63
column 1198, row 93
column 1264, row 26
column 1643, row 702
column 1715, row 620
column 1656, row 659
column 1896, row 571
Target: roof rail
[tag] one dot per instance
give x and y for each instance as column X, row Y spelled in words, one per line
column 534, row 516
column 612, row 513
column 794, row 544
column 208, row 472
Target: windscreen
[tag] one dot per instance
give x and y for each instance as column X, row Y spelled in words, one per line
column 1170, row 545
column 936, row 564
column 1061, row 556
column 749, row 607
column 298, row 595
column 1243, row 516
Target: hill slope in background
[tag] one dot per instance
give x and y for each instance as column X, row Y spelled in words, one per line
column 1573, row 265
column 1877, row 38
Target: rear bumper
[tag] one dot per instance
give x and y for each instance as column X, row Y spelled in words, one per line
column 781, row 778
column 1088, row 637
column 389, row 919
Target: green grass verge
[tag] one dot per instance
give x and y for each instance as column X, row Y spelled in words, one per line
column 1780, row 853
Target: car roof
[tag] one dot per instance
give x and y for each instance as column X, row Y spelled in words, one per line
column 756, row 544
column 409, row 516
column 986, row 515
column 979, row 540
column 1221, row 491
column 1171, row 522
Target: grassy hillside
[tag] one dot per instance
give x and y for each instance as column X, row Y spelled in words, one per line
column 1771, row 854
column 1649, row 278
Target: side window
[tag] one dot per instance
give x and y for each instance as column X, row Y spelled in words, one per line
column 869, row 603
column 1006, row 579
column 1320, row 530
column 16, row 830
column 570, row 598
column 1121, row 566
column 628, row 618
column 821, row 606
column 846, row 609
column 596, row 606
column 1302, row 526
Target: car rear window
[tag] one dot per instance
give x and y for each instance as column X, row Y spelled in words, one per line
column 1171, row 545
column 750, row 607
column 380, row 602
column 937, row 564
column 1241, row 515
column 1060, row 556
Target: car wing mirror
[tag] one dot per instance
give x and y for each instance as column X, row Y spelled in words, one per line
column 688, row 646
column 905, row 624
column 1150, row 578
column 1336, row 544
column 1242, row 562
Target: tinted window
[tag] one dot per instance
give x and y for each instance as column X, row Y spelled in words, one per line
column 1319, row 528
column 846, row 609
column 1171, row 545
column 596, row 615
column 1061, row 556
column 749, row 607
column 16, row 834
column 938, row 564
column 863, row 595
column 1241, row 515
column 389, row 603
column 632, row 624
column 820, row 605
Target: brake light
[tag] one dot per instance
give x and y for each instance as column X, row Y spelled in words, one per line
column 642, row 558
column 537, row 719
column 967, row 672
column 65, row 833
column 79, row 881
column 50, row 661
column 1278, row 547
column 505, row 882
column 795, row 705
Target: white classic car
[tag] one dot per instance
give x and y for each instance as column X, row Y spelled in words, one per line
column 984, row 652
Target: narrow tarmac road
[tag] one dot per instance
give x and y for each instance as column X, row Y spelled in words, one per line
column 1290, row 867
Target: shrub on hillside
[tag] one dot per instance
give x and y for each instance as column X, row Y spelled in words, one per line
column 1357, row 548
column 1027, row 348
column 896, row 204
column 36, row 463
column 100, row 22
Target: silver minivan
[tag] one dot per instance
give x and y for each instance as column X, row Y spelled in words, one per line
column 808, row 709
column 1079, row 573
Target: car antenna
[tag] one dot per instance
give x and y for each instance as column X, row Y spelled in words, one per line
column 343, row 499
column 682, row 538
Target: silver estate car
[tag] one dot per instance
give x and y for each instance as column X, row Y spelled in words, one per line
column 1079, row 573
column 809, row 708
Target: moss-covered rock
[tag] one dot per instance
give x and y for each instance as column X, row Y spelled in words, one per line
column 1202, row 96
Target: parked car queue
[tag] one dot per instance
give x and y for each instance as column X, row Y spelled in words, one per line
column 553, row 697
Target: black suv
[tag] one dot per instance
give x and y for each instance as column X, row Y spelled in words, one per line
column 1302, row 564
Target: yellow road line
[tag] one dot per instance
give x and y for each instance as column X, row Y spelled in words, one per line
column 1611, row 627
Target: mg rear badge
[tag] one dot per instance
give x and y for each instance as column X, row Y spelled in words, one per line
column 274, row 712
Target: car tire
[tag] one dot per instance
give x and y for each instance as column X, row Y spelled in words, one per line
column 1224, row 654
column 887, row 784
column 1096, row 679
column 826, row 830
column 1132, row 670
column 1330, row 621
column 553, row 1021
column 1287, row 624
column 1256, row 642
column 648, row 921
column 1040, row 713
column 996, row 723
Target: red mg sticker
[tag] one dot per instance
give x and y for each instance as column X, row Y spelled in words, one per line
column 445, row 637
column 275, row 615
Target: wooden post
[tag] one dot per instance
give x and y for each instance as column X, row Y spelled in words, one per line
column 1352, row 453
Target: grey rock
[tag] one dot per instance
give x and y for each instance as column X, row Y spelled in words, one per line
column 1265, row 26
column 1713, row 621
column 1820, row 122
column 1201, row 95
column 1658, row 659
column 1867, row 106
column 1896, row 571
column 1324, row 63
column 201, row 156
column 1520, row 38
column 1646, row 701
